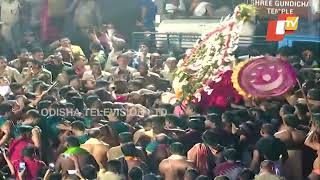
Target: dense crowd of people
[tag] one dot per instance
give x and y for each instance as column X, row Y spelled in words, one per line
column 100, row 110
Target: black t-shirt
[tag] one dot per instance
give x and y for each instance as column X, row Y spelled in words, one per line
column 270, row 148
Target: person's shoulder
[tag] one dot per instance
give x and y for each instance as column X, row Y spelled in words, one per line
column 46, row 71
column 75, row 47
column 132, row 70
column 154, row 74
column 136, row 74
column 105, row 73
column 11, row 68
column 14, row 62
column 67, row 65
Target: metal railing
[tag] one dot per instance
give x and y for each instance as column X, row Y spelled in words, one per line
column 168, row 42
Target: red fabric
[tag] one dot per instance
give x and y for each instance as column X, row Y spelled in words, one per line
column 49, row 32
column 16, row 147
column 32, row 167
column 223, row 92
column 199, row 155
column 121, row 99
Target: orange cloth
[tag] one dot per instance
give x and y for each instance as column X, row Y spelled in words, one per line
column 199, row 155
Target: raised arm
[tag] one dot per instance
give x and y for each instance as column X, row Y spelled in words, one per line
column 312, row 141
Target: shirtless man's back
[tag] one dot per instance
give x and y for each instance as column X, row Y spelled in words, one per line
column 294, row 139
column 174, row 167
column 98, row 149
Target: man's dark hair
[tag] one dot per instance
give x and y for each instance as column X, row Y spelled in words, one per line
column 158, row 121
column 230, row 154
column 287, row 109
column 73, row 141
column 172, row 118
column 69, row 71
column 135, row 173
column 5, row 108
column 129, row 149
column 101, row 83
column 55, row 176
column 124, row 56
column 63, row 90
column 291, row 120
column 215, row 118
column 246, row 174
column 195, row 108
column 104, row 95
column 33, row 114
column 114, row 166
column 96, row 46
column 44, row 104
column 210, row 137
column 78, row 125
column 29, row 151
column 89, row 172
column 268, row 129
column 36, row 49
column 168, row 107
column 203, row 177
column 125, row 137
column 15, row 86
column 162, row 139
column 314, row 94
column 196, row 124
column 285, row 51
column 90, row 100
column 227, row 116
column 301, row 108
column 192, row 173
column 177, row 148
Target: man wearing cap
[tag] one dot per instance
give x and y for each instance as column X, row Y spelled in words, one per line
column 36, row 71
column 10, row 73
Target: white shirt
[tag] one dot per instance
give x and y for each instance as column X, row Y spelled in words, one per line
column 10, row 11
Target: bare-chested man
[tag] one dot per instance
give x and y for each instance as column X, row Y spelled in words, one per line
column 174, row 167
column 64, row 163
column 313, row 141
column 294, row 139
column 97, row 148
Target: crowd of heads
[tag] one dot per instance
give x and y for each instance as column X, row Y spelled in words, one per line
column 110, row 112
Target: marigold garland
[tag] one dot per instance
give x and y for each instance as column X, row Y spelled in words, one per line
column 211, row 55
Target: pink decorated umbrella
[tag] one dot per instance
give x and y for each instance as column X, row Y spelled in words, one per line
column 262, row 77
